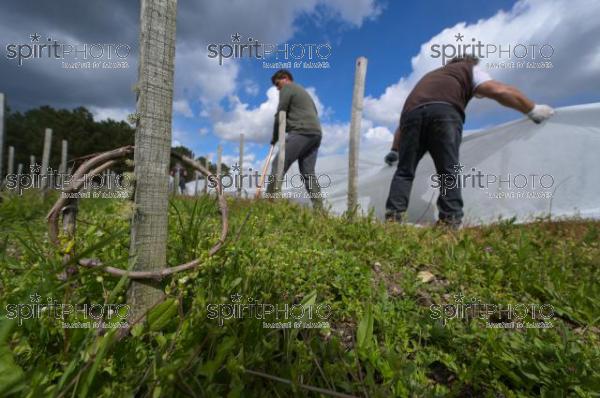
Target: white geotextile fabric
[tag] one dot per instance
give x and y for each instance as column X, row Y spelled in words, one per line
column 562, row 155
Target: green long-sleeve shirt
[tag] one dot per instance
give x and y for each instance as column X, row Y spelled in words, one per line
column 301, row 112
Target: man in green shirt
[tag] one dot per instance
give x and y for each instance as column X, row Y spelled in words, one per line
column 303, row 136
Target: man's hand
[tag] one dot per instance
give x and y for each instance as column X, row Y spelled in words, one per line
column 539, row 113
column 391, row 157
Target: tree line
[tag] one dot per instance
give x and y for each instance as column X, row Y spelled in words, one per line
column 25, row 131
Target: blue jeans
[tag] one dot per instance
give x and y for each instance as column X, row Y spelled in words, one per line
column 437, row 129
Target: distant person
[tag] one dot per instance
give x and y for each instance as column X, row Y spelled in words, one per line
column 303, row 136
column 432, row 121
column 182, row 172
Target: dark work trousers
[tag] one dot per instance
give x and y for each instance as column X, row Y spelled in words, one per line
column 182, row 183
column 303, row 148
column 437, row 129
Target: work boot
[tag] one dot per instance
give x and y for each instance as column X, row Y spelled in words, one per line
column 317, row 203
column 449, row 223
column 394, row 216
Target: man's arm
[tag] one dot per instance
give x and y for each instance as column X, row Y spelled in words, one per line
column 392, row 156
column 512, row 97
column 505, row 95
column 285, row 97
column 396, row 143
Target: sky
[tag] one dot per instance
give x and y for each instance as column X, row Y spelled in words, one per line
column 551, row 52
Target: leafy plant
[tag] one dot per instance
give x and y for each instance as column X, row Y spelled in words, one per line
column 381, row 338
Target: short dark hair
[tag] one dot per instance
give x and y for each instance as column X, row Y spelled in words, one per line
column 280, row 74
column 464, row 58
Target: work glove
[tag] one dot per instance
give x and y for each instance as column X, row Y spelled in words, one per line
column 539, row 113
column 391, row 157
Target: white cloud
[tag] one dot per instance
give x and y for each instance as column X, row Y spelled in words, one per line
column 250, row 87
column 183, row 108
column 386, row 108
column 256, row 18
column 563, row 24
column 378, row 134
column 255, row 123
column 118, row 114
column 250, row 161
column 335, row 137
column 198, row 77
column 177, row 137
column 323, row 111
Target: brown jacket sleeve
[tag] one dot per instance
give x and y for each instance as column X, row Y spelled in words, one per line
column 396, row 143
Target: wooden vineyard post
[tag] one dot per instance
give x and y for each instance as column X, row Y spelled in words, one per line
column 281, row 153
column 355, row 121
column 148, row 248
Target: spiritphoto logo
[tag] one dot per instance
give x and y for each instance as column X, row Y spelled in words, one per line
column 274, row 316
column 498, row 316
column 111, row 184
column 510, row 55
column 71, row 55
column 274, row 56
column 499, row 186
column 87, row 315
column 295, row 195
column 251, row 179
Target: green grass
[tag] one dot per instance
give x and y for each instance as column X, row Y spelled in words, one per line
column 382, row 340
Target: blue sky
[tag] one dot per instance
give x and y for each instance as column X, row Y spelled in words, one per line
column 215, row 103
column 388, row 40
column 389, row 36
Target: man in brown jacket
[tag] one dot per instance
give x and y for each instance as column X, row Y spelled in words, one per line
column 432, row 120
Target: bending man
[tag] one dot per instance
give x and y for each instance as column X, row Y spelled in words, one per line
column 432, row 121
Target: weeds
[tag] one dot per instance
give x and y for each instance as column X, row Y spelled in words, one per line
column 382, row 339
